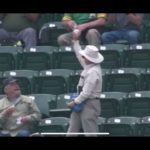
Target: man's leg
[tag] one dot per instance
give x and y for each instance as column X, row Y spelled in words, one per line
column 29, row 36
column 132, row 36
column 23, row 133
column 93, row 37
column 111, row 37
column 75, row 123
column 65, row 39
column 4, row 34
column 89, row 116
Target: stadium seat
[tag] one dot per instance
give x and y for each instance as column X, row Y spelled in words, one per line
column 113, row 55
column 122, row 126
column 137, row 104
column 100, row 123
column 61, row 109
column 25, row 79
column 123, row 80
column 145, row 80
column 52, row 81
column 53, row 125
column 111, row 103
column 50, row 31
column 65, row 58
column 144, row 126
column 36, row 58
column 44, row 102
column 8, row 56
column 138, row 56
column 1, row 81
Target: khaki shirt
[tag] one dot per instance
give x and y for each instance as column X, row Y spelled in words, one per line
column 90, row 79
column 25, row 107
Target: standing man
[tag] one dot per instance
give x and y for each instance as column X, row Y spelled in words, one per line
column 90, row 25
column 91, row 84
column 18, row 113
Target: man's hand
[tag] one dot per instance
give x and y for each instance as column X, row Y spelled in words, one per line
column 9, row 110
column 72, row 25
column 82, row 27
column 25, row 119
column 71, row 104
column 76, row 34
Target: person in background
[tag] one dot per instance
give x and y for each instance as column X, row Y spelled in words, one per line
column 127, row 27
column 90, row 26
column 19, row 26
column 90, row 87
column 18, row 113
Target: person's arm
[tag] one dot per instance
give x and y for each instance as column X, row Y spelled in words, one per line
column 5, row 113
column 35, row 114
column 100, row 21
column 135, row 18
column 32, row 16
column 77, row 48
column 88, row 87
column 68, row 21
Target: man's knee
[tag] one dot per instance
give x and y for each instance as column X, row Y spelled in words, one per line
column 63, row 41
column 134, row 37
column 24, row 133
column 30, row 32
column 92, row 32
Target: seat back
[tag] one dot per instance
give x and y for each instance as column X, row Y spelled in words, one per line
column 137, row 104
column 122, row 126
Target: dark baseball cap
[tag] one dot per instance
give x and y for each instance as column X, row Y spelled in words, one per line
column 8, row 80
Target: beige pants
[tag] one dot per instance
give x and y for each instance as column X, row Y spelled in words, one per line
column 87, row 119
column 92, row 37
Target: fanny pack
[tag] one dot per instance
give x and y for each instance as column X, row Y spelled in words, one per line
column 77, row 107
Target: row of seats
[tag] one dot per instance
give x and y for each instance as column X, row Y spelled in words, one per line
column 48, row 57
column 60, row 81
column 113, row 104
column 115, row 126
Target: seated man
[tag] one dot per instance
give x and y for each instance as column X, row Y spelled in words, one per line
column 18, row 26
column 127, row 27
column 89, row 25
column 18, row 113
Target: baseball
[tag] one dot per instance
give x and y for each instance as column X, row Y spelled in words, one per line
column 76, row 31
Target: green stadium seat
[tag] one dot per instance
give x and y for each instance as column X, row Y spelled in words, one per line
column 53, row 125
column 50, row 31
column 111, row 103
column 122, row 126
column 25, row 79
column 144, row 126
column 65, row 58
column 145, row 80
column 123, row 80
column 61, row 109
column 137, row 104
column 8, row 56
column 52, row 81
column 44, row 103
column 100, row 122
column 36, row 58
column 138, row 56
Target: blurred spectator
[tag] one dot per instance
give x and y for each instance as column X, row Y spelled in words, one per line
column 126, row 27
column 18, row 113
column 19, row 26
column 89, row 25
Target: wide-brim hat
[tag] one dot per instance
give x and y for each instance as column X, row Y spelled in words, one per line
column 92, row 53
